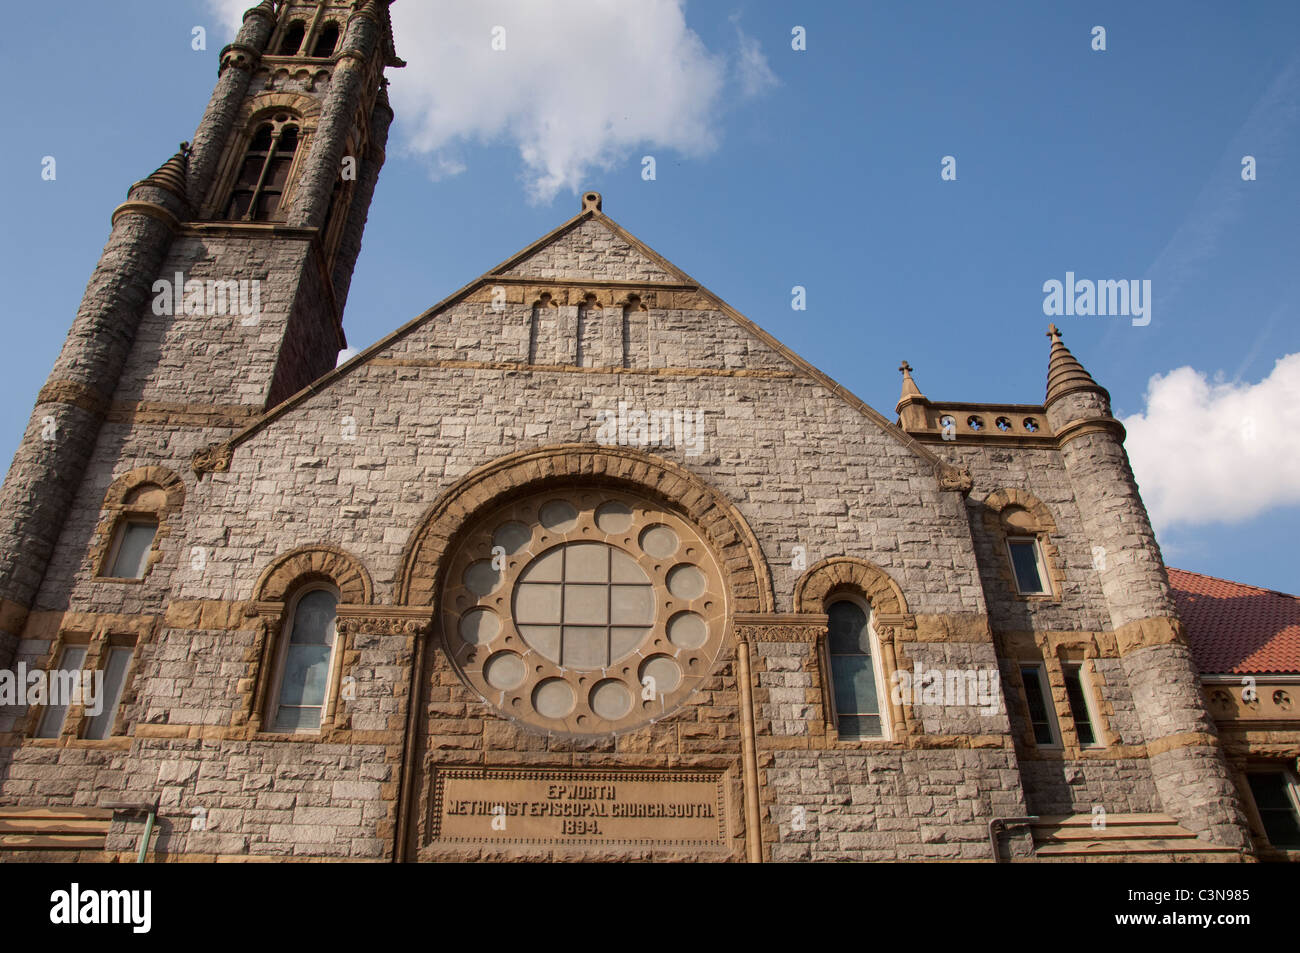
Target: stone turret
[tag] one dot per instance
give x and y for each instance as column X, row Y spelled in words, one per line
column 1188, row 768
column 238, row 60
column 51, row 459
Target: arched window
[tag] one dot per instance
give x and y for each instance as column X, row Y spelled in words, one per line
column 135, row 521
column 258, row 195
column 1022, row 527
column 305, row 663
column 293, row 38
column 329, row 38
column 854, row 670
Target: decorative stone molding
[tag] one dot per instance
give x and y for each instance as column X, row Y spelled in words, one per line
column 239, row 56
column 215, row 458
column 377, row 620
column 1144, row 633
column 846, row 572
column 74, row 394
column 787, row 627
column 744, row 570
column 320, row 561
column 955, row 478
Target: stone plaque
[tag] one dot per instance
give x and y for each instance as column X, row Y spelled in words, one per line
column 543, row 807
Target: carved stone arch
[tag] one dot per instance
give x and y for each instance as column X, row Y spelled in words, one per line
column 840, row 573
column 129, row 483
column 306, row 108
column 999, row 501
column 516, row 474
column 321, row 562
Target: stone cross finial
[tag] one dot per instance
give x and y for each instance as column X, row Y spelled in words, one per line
column 905, row 367
column 1053, row 333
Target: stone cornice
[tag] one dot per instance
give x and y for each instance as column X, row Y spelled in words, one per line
column 149, row 209
column 1101, row 425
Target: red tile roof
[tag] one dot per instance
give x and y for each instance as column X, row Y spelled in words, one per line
column 1237, row 629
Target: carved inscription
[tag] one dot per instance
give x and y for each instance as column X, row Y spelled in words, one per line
column 576, row 808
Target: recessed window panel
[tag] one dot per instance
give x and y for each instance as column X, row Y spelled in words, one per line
column 1275, row 801
column 1079, row 705
column 63, row 683
column 1024, row 559
column 115, row 668
column 853, row 671
column 134, row 541
column 304, row 682
column 1040, row 717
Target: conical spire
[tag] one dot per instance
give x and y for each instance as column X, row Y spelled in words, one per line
column 1064, row 372
column 911, row 406
column 171, row 174
column 910, row 390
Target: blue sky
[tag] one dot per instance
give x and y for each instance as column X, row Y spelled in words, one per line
column 777, row 168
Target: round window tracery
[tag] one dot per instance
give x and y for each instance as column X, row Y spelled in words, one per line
column 584, row 612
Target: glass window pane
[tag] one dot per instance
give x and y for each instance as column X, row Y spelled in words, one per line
column 119, row 660
column 1024, row 556
column 1079, row 705
column 859, row 726
column 268, row 203
column 1038, row 715
column 262, row 140
column 306, row 669
column 278, row 174
column 855, row 685
column 1276, row 810
column 848, row 629
column 239, row 203
column 313, row 619
column 132, row 549
column 305, row 681
column 585, row 647
column 56, row 694
column 297, row 719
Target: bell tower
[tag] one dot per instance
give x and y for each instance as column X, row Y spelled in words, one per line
column 220, row 291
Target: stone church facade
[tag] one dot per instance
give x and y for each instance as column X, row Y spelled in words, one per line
column 578, row 564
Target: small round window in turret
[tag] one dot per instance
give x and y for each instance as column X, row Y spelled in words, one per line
column 975, row 423
column 585, row 612
column 1002, row 424
column 1030, row 424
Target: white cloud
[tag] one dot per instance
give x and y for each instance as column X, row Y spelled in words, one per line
column 1217, row 452
column 581, row 85
column 756, row 76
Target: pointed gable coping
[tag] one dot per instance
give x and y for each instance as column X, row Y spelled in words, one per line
column 950, row 477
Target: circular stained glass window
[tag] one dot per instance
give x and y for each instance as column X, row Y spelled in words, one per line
column 584, row 613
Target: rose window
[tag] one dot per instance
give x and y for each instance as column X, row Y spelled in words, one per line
column 585, row 612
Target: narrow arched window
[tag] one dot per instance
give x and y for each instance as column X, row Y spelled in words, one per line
column 853, row 671
column 328, row 39
column 258, row 195
column 305, row 662
column 293, row 38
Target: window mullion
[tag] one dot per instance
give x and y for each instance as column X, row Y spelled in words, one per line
column 251, row 214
